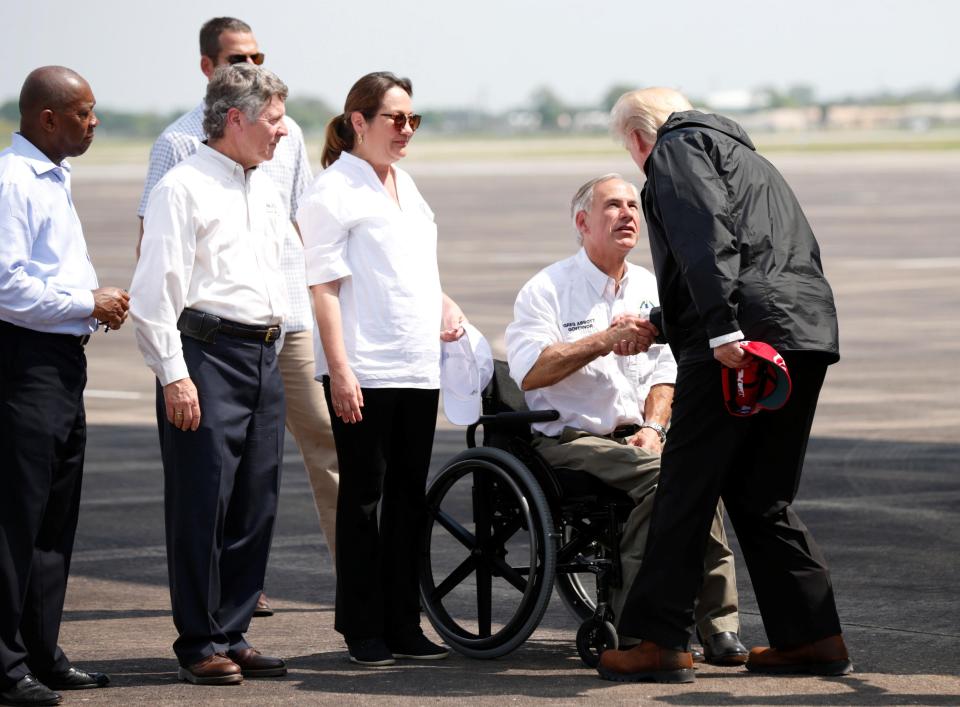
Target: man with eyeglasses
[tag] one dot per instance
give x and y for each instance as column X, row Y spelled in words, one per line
column 227, row 40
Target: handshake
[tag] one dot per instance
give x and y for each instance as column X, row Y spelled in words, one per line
column 629, row 334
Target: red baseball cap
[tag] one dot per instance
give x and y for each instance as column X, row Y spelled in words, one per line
column 763, row 384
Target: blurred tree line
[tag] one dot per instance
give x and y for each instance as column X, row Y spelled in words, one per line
column 545, row 110
column 311, row 113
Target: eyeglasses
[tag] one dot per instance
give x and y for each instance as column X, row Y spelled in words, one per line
column 242, row 58
column 400, row 119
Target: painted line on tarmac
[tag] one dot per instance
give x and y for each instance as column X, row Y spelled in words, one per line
column 115, row 394
column 123, row 466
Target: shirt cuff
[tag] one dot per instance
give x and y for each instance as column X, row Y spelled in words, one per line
column 172, row 369
column 725, row 339
column 81, row 303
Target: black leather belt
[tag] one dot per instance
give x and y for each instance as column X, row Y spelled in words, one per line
column 205, row 327
column 84, row 339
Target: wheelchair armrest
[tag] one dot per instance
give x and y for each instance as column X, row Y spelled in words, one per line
column 506, row 419
column 519, row 417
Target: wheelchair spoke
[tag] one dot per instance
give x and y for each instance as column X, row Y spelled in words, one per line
column 454, row 578
column 506, row 531
column 509, row 574
column 484, row 603
column 464, row 536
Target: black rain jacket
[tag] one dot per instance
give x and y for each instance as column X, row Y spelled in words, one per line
column 731, row 247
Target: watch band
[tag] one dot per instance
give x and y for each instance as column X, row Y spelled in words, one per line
column 658, row 428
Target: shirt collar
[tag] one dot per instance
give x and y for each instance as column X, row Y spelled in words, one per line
column 228, row 166
column 40, row 163
column 360, row 165
column 598, row 279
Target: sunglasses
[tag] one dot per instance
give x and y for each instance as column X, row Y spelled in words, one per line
column 242, row 58
column 401, row 119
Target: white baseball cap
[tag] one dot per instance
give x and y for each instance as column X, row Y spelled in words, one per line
column 466, row 367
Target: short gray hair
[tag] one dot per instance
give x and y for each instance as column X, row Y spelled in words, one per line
column 246, row 87
column 583, row 199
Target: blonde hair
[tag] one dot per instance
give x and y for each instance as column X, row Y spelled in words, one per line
column 645, row 111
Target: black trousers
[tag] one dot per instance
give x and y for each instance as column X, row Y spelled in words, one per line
column 221, row 485
column 383, row 460
column 754, row 464
column 42, row 438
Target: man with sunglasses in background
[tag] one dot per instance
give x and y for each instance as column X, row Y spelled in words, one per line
column 227, row 40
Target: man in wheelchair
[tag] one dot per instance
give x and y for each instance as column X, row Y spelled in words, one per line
column 580, row 343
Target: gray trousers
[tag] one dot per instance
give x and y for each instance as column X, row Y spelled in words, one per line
column 636, row 471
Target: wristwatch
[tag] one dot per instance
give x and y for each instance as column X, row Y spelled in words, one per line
column 658, row 428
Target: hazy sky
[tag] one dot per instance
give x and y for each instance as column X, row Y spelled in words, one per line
column 492, row 53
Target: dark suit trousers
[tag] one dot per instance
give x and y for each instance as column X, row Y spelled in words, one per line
column 753, row 464
column 221, row 485
column 383, row 461
column 42, row 437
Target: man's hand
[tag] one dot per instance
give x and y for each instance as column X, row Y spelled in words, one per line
column 183, row 405
column 648, row 439
column 629, row 334
column 731, row 355
column 110, row 306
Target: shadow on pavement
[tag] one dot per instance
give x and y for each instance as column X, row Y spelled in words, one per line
column 884, row 512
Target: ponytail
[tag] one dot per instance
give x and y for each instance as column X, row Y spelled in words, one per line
column 339, row 138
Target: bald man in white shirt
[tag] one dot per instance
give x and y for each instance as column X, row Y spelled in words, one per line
column 208, row 302
column 581, row 344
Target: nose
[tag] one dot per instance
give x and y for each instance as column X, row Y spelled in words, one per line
column 407, row 129
column 94, row 120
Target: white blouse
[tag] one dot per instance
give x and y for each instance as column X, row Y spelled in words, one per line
column 386, row 257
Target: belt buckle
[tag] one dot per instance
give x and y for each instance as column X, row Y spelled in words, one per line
column 273, row 333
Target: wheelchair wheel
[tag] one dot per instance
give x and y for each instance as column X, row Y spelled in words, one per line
column 578, row 590
column 593, row 638
column 487, row 553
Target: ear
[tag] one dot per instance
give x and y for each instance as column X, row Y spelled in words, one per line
column 207, row 66
column 358, row 122
column 581, row 220
column 48, row 120
column 234, row 116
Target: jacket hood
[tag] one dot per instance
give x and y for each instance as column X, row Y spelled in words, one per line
column 694, row 118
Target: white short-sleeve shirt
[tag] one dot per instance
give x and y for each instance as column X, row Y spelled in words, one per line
column 565, row 302
column 386, row 258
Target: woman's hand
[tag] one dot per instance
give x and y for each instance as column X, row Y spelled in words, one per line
column 451, row 324
column 346, row 396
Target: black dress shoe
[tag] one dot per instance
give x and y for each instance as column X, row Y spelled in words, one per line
column 724, row 648
column 74, row 679
column 29, row 691
column 696, row 651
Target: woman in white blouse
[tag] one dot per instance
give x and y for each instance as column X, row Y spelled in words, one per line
column 371, row 252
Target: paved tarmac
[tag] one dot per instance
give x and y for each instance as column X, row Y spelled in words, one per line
column 881, row 490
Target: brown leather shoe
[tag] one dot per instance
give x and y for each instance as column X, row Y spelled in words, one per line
column 828, row 656
column 263, row 606
column 216, row 669
column 646, row 662
column 254, row 665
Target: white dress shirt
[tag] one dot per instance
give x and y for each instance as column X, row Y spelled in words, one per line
column 212, row 240
column 46, row 277
column 565, row 302
column 290, row 171
column 386, row 256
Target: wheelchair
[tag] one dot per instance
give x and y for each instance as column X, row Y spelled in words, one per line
column 504, row 528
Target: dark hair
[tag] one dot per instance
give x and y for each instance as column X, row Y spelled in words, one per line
column 211, row 31
column 365, row 97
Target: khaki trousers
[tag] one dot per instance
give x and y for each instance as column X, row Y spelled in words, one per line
column 636, row 471
column 309, row 423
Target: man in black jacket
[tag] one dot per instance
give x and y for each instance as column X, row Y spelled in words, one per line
column 735, row 260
